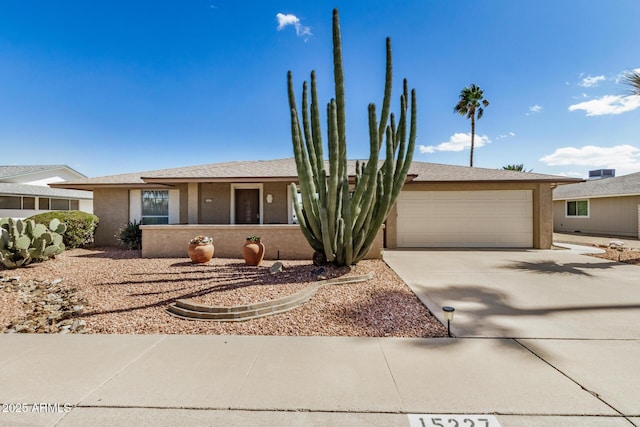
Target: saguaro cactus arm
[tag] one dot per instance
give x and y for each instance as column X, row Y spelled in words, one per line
column 336, row 221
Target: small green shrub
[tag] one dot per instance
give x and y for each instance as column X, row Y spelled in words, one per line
column 81, row 226
column 130, row 235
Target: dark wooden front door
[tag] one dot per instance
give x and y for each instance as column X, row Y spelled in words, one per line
column 247, row 206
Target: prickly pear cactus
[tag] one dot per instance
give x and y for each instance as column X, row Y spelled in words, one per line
column 22, row 242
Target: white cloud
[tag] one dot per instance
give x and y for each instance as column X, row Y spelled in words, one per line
column 534, row 109
column 457, row 142
column 590, row 81
column 608, row 104
column 506, row 135
column 290, row 19
column 623, row 158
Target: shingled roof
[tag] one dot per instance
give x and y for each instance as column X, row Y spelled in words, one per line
column 627, row 185
column 15, row 189
column 11, row 171
column 285, row 170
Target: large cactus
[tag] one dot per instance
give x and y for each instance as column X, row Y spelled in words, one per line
column 22, row 242
column 336, row 219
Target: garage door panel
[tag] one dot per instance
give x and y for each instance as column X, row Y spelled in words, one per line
column 492, row 218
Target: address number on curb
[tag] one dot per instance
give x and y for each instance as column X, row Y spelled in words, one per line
column 451, row 420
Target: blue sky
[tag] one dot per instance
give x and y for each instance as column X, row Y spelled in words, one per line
column 120, row 86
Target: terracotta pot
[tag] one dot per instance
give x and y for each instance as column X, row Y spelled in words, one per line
column 200, row 254
column 253, row 252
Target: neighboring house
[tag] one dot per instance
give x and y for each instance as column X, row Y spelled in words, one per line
column 605, row 206
column 24, row 191
column 439, row 206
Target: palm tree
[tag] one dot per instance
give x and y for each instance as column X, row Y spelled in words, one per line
column 519, row 168
column 632, row 78
column 470, row 103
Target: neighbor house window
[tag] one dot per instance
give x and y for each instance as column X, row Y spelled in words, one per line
column 59, row 204
column 155, row 207
column 43, row 203
column 10, row 202
column 578, row 208
column 17, row 202
column 28, row 203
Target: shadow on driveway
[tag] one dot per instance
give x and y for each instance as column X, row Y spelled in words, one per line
column 552, row 267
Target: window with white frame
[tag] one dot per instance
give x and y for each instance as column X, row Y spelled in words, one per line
column 155, row 207
column 578, row 208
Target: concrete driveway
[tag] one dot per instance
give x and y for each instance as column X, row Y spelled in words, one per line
column 525, row 293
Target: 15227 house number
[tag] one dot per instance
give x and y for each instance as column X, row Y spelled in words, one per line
column 443, row 420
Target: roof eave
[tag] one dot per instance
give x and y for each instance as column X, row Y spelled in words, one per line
column 182, row 180
column 598, row 196
column 486, row 181
column 93, row 186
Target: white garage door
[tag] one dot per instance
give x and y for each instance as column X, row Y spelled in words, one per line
column 501, row 218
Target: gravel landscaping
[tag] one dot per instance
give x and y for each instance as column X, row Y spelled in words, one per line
column 123, row 293
column 626, row 255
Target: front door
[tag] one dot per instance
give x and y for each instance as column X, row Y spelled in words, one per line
column 247, row 206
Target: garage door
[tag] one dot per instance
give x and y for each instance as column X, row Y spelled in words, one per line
column 501, row 218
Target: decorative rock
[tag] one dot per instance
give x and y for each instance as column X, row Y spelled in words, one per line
column 277, row 267
column 50, row 307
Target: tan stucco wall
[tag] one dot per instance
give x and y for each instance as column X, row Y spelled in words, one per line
column 616, row 216
column 276, row 211
column 216, row 211
column 111, row 205
column 184, row 202
column 281, row 241
column 542, row 206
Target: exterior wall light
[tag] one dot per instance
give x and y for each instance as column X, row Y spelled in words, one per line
column 269, row 198
column 448, row 315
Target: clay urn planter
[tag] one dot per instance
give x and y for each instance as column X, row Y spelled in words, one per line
column 253, row 251
column 200, row 249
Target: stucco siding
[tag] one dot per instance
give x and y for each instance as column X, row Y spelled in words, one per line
column 615, row 216
column 276, row 211
column 214, row 206
column 111, row 205
column 86, row 206
column 184, row 202
column 281, row 241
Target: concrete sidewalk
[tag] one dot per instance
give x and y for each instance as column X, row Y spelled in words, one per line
column 303, row 381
